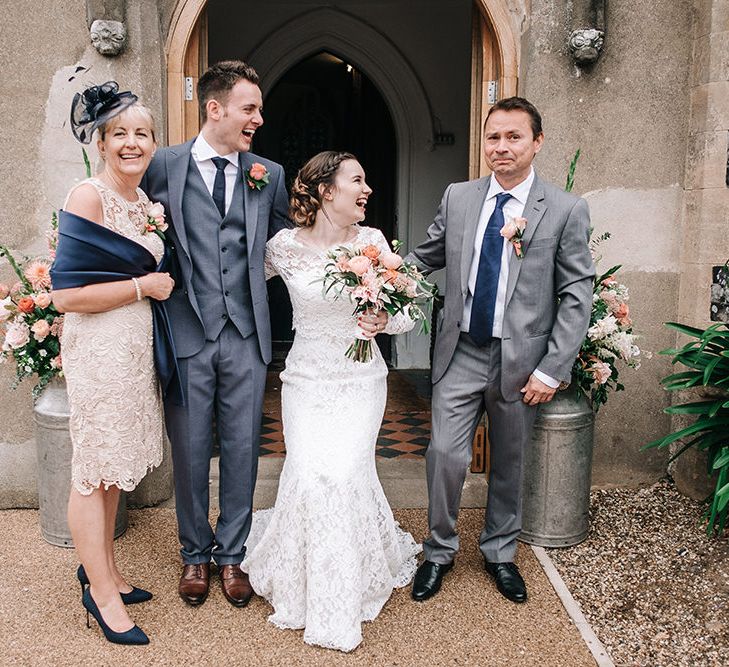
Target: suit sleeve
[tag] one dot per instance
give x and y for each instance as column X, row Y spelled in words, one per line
column 574, row 276
column 429, row 256
column 279, row 218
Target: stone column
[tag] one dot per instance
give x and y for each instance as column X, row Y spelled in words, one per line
column 706, row 194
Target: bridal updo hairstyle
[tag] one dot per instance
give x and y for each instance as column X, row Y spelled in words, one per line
column 305, row 195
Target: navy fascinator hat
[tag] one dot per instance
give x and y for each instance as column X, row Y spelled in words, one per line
column 95, row 106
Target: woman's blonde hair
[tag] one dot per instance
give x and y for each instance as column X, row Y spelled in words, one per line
column 137, row 108
column 305, row 196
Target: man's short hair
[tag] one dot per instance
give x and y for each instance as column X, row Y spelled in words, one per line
column 218, row 80
column 519, row 104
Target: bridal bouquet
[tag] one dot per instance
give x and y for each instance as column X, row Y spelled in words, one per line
column 610, row 337
column 375, row 280
column 30, row 326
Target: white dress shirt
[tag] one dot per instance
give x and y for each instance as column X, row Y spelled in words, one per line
column 513, row 208
column 203, row 154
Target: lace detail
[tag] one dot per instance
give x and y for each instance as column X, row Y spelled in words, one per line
column 116, row 420
column 329, row 554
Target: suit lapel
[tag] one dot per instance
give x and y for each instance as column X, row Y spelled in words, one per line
column 470, row 223
column 534, row 212
column 250, row 202
column 178, row 162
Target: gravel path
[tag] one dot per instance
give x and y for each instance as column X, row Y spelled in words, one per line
column 651, row 583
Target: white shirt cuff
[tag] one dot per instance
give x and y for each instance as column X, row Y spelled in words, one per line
column 549, row 381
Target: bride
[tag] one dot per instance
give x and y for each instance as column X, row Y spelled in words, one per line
column 329, row 553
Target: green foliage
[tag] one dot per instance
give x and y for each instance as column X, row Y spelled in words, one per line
column 707, row 357
column 571, row 172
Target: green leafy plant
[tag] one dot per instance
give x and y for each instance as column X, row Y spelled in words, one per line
column 707, row 358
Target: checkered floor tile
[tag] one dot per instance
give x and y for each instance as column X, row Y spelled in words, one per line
column 403, row 435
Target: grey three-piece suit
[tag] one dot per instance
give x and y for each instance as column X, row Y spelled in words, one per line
column 221, row 329
column 547, row 311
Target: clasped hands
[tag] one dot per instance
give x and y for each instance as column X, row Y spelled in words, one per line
column 372, row 323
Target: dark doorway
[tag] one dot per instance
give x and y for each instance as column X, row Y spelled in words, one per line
column 326, row 103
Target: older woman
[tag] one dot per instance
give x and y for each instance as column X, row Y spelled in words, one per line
column 116, row 418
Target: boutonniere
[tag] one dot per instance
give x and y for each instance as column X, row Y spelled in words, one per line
column 257, row 176
column 513, row 231
column 155, row 220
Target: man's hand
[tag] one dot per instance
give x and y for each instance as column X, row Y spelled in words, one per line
column 373, row 323
column 535, row 391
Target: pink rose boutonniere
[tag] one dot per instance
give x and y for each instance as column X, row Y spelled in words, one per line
column 257, row 176
column 156, row 220
column 513, row 231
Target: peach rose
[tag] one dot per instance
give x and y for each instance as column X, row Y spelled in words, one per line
column 607, row 281
column 56, row 362
column 371, row 251
column 359, row 264
column 391, row 260
column 600, row 371
column 257, row 171
column 42, row 300
column 40, row 330
column 17, row 335
column 26, row 305
column 4, row 291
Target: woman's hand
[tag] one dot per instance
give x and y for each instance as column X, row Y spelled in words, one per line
column 156, row 286
column 372, row 323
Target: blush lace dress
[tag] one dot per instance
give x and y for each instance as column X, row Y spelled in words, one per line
column 116, row 420
column 329, row 553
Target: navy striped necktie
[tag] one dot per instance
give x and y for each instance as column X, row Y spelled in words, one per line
column 487, row 278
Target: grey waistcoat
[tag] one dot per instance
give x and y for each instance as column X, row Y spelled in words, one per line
column 219, row 257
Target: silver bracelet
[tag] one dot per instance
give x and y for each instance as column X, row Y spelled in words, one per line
column 137, row 288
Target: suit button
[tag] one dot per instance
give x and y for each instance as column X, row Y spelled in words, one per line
column 224, row 316
column 224, row 249
column 225, row 271
column 223, row 226
column 227, row 293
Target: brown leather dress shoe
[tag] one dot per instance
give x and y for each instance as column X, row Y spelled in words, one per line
column 195, row 583
column 236, row 587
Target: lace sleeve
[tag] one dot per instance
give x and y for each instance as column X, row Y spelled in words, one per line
column 272, row 258
column 401, row 322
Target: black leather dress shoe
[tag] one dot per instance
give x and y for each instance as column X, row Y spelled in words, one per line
column 508, row 580
column 428, row 579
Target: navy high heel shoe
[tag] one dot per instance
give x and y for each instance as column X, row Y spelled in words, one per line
column 133, row 636
column 135, row 596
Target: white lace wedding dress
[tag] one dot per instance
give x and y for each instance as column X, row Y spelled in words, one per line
column 329, row 553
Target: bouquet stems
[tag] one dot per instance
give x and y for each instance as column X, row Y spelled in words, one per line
column 360, row 350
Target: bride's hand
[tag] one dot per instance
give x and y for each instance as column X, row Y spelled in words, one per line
column 372, row 323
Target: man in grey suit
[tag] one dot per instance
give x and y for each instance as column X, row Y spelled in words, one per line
column 514, row 317
column 223, row 203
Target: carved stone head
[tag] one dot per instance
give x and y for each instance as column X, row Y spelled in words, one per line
column 585, row 45
column 108, row 37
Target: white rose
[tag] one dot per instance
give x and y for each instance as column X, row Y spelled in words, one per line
column 603, row 328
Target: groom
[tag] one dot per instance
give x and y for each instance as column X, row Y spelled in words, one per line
column 513, row 321
column 223, row 204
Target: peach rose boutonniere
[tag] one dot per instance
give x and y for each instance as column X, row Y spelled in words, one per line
column 257, row 176
column 513, row 231
column 156, row 220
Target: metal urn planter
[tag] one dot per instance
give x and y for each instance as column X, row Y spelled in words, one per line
column 53, row 445
column 557, row 472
